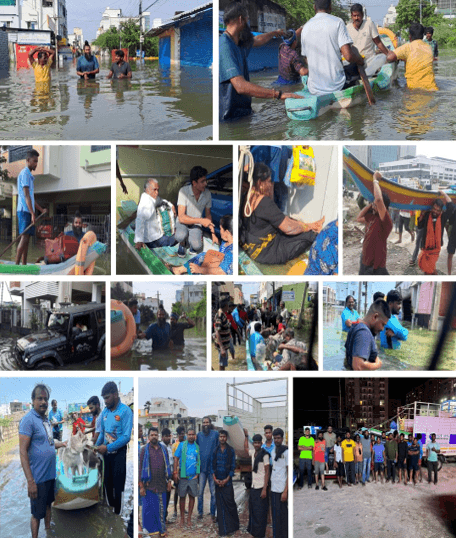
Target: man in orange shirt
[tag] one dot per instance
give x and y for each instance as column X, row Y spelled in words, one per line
column 319, row 460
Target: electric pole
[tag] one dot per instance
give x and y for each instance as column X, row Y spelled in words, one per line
column 141, row 37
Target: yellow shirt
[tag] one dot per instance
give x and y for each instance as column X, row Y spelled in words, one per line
column 419, row 70
column 348, row 446
column 42, row 72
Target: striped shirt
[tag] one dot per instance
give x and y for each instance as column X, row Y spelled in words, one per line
column 222, row 325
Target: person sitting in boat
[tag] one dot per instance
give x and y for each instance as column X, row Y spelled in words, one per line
column 429, row 32
column 87, row 66
column 148, row 232
column 393, row 333
column 349, row 314
column 418, row 57
column 433, row 223
column 291, row 66
column 236, row 90
column 365, row 35
column 194, row 204
column 378, row 227
column 207, row 263
column 324, row 39
column 267, row 235
column 76, row 227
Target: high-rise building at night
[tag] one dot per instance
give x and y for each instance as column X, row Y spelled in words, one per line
column 367, row 401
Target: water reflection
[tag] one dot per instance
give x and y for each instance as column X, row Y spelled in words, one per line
column 398, row 114
column 96, row 521
column 192, row 356
column 173, row 103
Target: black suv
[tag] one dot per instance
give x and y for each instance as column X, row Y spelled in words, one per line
column 72, row 334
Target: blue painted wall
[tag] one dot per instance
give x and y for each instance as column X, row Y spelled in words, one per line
column 164, row 51
column 196, row 41
column 266, row 56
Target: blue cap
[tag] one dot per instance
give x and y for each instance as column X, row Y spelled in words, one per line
column 289, row 37
column 174, row 316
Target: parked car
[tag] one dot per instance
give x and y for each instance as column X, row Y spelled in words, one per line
column 73, row 334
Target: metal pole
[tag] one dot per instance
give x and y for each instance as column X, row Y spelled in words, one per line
column 140, row 30
column 421, row 13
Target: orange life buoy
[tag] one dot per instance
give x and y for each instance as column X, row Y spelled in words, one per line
column 130, row 335
column 88, row 240
column 390, row 34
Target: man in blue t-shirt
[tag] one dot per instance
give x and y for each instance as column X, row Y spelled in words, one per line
column 87, row 66
column 159, row 332
column 115, row 433
column 360, row 348
column 393, row 333
column 378, row 455
column 207, row 440
column 236, row 90
column 37, row 452
column 187, row 460
column 26, row 205
column 56, row 419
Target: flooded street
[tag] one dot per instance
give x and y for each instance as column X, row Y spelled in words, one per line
column 156, row 104
column 334, row 350
column 8, row 359
column 399, row 114
column 192, row 356
column 36, row 250
column 96, row 521
column 126, row 262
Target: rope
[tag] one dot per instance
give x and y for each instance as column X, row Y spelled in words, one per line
column 244, row 152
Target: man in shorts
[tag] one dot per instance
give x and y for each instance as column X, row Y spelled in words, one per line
column 187, row 460
column 414, row 458
column 319, row 461
column 26, row 204
column 378, row 455
column 37, row 448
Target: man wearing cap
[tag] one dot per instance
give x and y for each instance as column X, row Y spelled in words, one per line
column 291, row 67
column 178, row 328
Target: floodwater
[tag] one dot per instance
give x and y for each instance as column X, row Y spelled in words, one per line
column 399, row 114
column 334, row 342
column 36, row 250
column 192, row 356
column 8, row 360
column 126, row 262
column 156, row 104
column 96, row 521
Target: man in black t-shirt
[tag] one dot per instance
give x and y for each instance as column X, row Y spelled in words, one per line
column 119, row 69
column 178, row 328
column 402, row 453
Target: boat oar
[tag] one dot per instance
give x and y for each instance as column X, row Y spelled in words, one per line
column 367, row 86
column 123, row 224
column 20, row 235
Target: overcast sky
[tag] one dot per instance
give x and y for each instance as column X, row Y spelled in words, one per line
column 167, row 291
column 203, row 396
column 86, row 14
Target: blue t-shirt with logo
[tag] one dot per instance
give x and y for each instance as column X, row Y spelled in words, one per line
column 115, row 427
column 378, row 453
column 25, row 179
column 41, row 451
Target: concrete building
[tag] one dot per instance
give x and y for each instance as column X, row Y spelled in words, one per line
column 67, row 179
column 329, row 295
column 192, row 293
column 425, row 169
column 128, row 398
column 177, row 38
column 366, row 401
column 433, row 390
column 125, row 286
column 113, row 18
column 45, row 15
column 10, row 13
column 446, row 8
column 36, row 297
column 76, row 39
column 238, row 295
column 372, row 155
column 157, row 408
column 390, row 17
column 178, row 296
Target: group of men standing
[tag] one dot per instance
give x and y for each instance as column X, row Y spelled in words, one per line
column 40, row 435
column 429, row 240
column 355, row 458
column 196, row 460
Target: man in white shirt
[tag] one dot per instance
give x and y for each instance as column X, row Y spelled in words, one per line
column 148, row 232
column 324, row 39
column 279, row 485
column 193, row 202
column 364, row 34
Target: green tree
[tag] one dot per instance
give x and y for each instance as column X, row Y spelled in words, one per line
column 118, row 293
column 127, row 37
column 4, row 174
column 111, row 39
column 177, row 308
column 408, row 11
column 300, row 11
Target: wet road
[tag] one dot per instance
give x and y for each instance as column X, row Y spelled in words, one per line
column 156, row 104
column 399, row 114
column 8, row 359
column 334, row 350
column 192, row 356
column 98, row 521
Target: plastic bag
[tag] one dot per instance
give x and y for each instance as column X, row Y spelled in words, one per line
column 304, row 167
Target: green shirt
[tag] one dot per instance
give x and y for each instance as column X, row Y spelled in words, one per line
column 306, row 441
column 391, row 450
